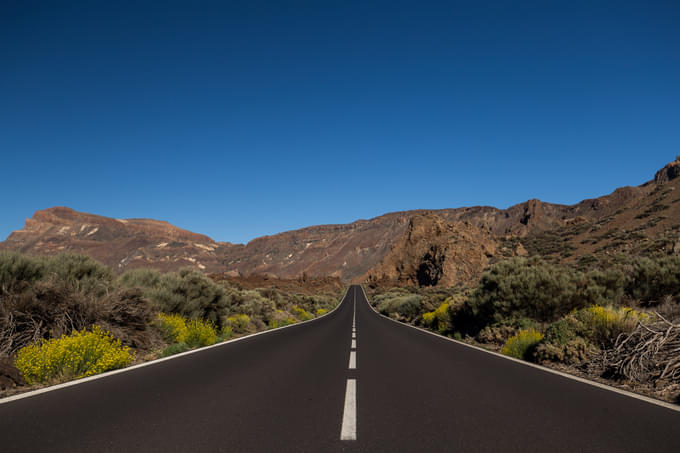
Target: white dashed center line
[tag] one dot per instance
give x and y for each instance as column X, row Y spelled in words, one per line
column 348, row 430
column 349, row 416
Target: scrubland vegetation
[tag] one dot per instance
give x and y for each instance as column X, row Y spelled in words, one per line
column 620, row 320
column 68, row 316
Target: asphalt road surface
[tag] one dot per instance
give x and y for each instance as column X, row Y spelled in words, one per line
column 311, row 388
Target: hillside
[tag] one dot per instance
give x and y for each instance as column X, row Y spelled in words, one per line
column 423, row 247
column 118, row 243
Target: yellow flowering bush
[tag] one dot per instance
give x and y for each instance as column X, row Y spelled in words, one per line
column 301, row 313
column 173, row 328
column 80, row 354
column 438, row 319
column 521, row 345
column 604, row 324
column 193, row 332
column 239, row 323
column 226, row 333
column 200, row 333
column 281, row 319
column 321, row 312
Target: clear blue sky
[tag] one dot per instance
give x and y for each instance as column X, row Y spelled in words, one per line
column 239, row 119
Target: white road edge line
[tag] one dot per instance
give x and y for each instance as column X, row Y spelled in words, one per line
column 352, row 360
column 354, row 344
column 647, row 399
column 153, row 362
column 349, row 416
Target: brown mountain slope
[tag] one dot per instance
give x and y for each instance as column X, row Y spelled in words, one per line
column 441, row 247
column 118, row 243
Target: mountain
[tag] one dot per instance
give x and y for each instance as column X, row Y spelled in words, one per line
column 421, row 247
column 119, row 243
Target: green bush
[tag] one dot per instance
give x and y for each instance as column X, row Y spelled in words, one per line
column 83, row 272
column 175, row 348
column 531, row 288
column 82, row 353
column 651, row 279
column 226, row 333
column 407, row 306
column 140, row 278
column 565, row 341
column 190, row 294
column 522, row 345
column 565, row 330
column 17, row 271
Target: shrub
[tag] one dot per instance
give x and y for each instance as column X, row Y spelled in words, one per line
column 321, row 312
column 563, row 331
column 175, row 348
column 531, row 288
column 407, row 306
column 226, row 333
column 602, row 325
column 302, row 314
column 82, row 353
column 17, row 271
column 438, row 319
column 496, row 334
column 573, row 351
column 652, row 279
column 140, row 278
column 280, row 319
column 51, row 308
column 200, row 333
column 83, row 272
column 172, row 327
column 522, row 345
column 191, row 294
column 193, row 332
column 239, row 323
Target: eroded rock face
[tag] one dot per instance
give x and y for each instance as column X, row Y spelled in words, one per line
column 669, row 172
column 435, row 252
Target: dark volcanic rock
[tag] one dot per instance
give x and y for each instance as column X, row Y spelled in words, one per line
column 10, row 377
column 669, row 172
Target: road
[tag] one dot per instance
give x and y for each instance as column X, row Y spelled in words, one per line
column 295, row 390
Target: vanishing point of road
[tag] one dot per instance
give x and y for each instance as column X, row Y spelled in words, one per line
column 349, row 381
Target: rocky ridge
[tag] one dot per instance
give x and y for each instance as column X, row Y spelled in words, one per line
column 422, row 247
